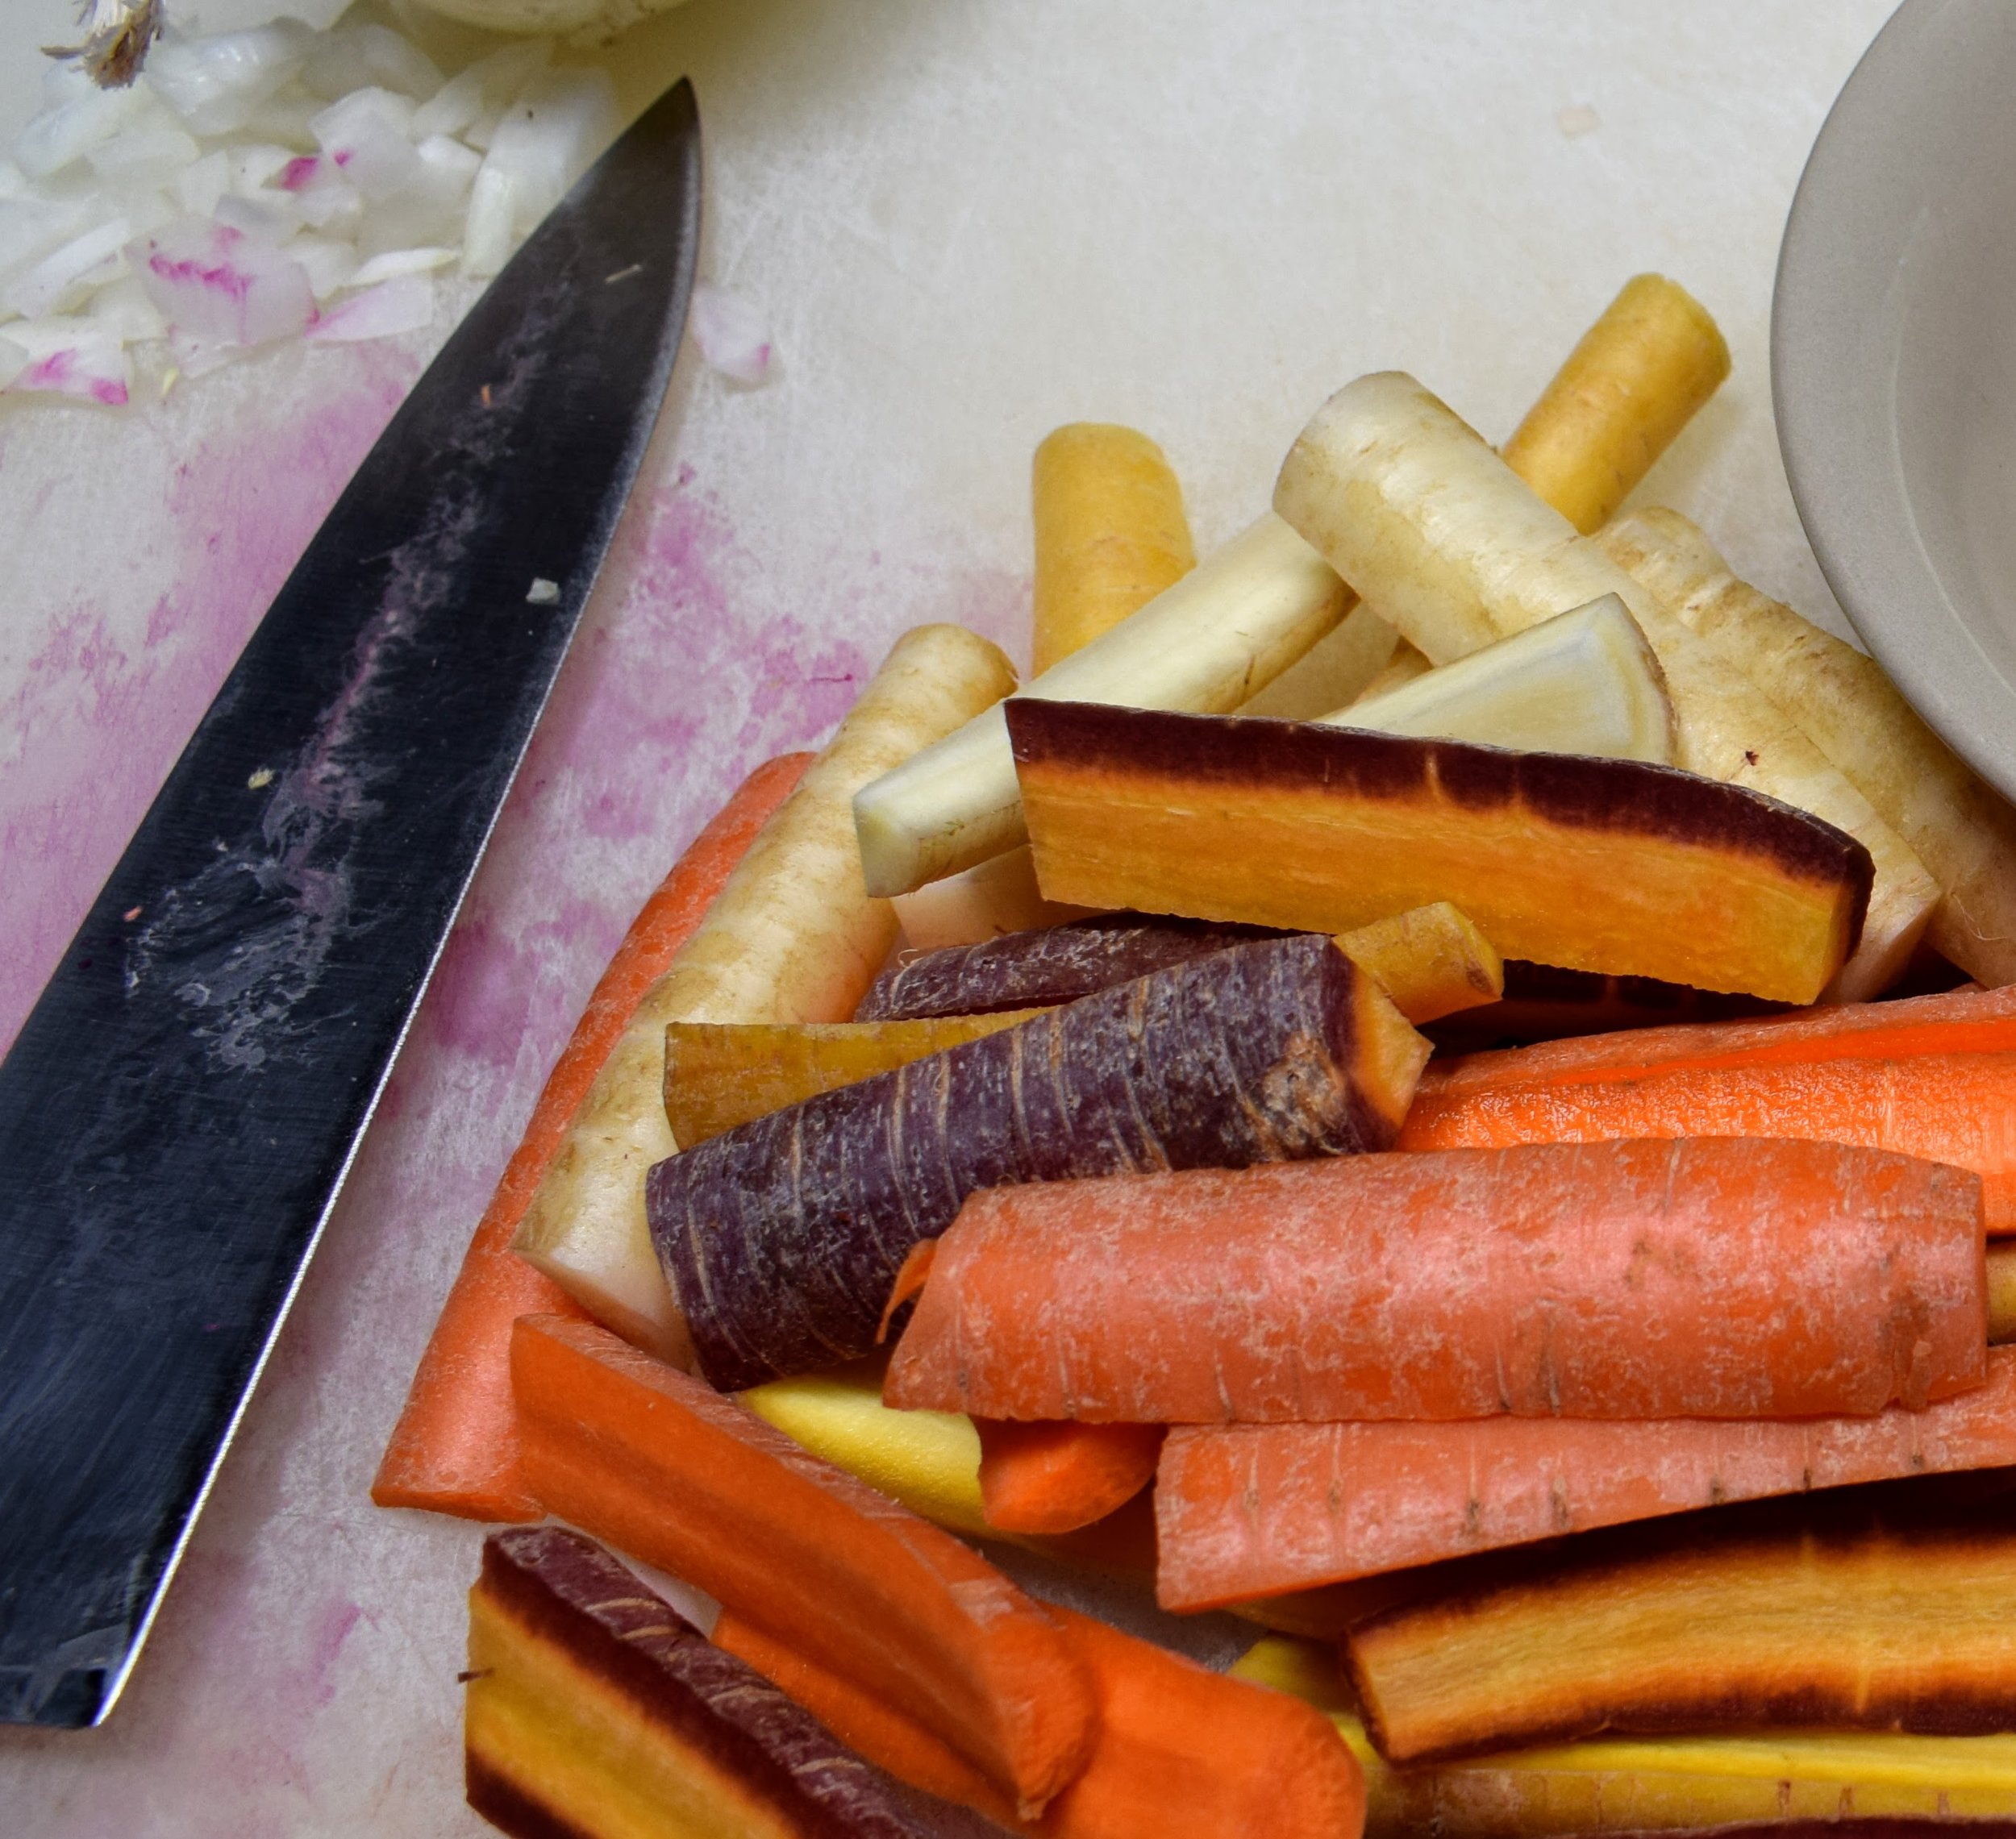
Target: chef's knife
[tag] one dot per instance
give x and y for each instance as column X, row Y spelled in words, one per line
column 182, row 1102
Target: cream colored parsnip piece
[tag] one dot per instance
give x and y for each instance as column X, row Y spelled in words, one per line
column 1584, row 682
column 1413, row 508
column 1335, row 670
column 794, row 936
column 1963, row 831
column 1230, row 625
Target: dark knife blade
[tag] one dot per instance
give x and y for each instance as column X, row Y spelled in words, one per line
column 183, row 1101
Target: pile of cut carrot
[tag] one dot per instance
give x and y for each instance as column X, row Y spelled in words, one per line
column 1018, row 1123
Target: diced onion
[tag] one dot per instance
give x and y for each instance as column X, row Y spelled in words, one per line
column 730, row 333
column 404, row 304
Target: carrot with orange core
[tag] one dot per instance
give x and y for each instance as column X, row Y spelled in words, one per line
column 660, row 1466
column 1931, row 1077
column 455, row 1448
column 1255, row 1510
column 1055, row 1477
column 1609, row 1280
column 866, row 1722
column 1183, row 1752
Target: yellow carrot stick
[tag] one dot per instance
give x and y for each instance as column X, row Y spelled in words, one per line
column 1631, row 384
column 1110, row 533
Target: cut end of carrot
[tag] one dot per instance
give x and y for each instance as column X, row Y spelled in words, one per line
column 911, row 1279
column 1058, row 1477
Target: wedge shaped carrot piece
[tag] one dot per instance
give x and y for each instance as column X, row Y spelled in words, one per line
column 594, row 1709
column 1605, row 865
column 1712, row 1278
column 1931, row 1077
column 1185, row 1753
column 1255, row 1510
column 1055, row 1477
column 1852, row 1626
column 720, row 1074
column 865, row 1722
column 660, row 1466
column 455, row 1448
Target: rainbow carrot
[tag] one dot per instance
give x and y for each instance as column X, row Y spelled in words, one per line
column 659, row 1465
column 1255, row 1510
column 1932, row 1076
column 455, row 1448
column 1623, row 1279
column 1055, row 1477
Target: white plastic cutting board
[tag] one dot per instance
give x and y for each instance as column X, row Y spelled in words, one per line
column 967, row 221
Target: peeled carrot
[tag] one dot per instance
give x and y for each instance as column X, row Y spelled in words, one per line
column 455, row 1448
column 660, row 1466
column 866, row 1722
column 1254, row 1510
column 1055, row 1477
column 1710, row 1278
column 1183, row 1752
column 1931, row 1077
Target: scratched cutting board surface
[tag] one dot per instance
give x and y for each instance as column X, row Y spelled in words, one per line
column 964, row 223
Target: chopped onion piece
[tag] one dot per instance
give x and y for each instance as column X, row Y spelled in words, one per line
column 70, row 357
column 123, row 308
column 396, row 262
column 729, row 332
column 215, row 84
column 198, row 188
column 493, row 82
column 486, row 235
column 157, row 150
column 270, row 220
column 67, row 132
column 30, row 228
column 365, row 134
column 404, row 304
column 330, row 264
column 216, row 285
column 45, row 286
column 549, row 135
column 257, row 165
column 13, row 360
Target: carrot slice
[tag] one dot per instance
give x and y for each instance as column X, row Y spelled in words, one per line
column 1055, row 1477
column 1839, row 1620
column 660, row 1466
column 455, row 1448
column 1931, row 1077
column 866, row 1722
column 1256, row 1510
column 1185, row 1752
column 1714, row 1278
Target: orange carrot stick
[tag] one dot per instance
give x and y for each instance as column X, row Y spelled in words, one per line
column 866, row 1722
column 1708, row 1278
column 455, row 1448
column 1933, row 1076
column 1055, row 1477
column 1184, row 1754
column 1258, row 1510
column 658, row 1464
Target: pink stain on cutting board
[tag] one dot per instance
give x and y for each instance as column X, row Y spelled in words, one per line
column 98, row 718
column 680, row 680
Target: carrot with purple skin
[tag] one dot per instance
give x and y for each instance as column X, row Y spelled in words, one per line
column 455, row 1448
column 655, row 1462
column 782, row 1238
